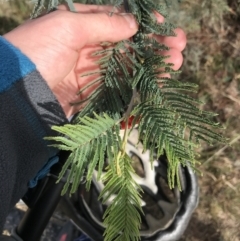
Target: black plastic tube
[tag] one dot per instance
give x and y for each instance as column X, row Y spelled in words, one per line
column 36, row 219
column 79, row 221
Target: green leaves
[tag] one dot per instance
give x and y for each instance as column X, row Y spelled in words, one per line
column 88, row 141
column 115, row 93
column 122, row 217
column 158, row 132
column 131, row 84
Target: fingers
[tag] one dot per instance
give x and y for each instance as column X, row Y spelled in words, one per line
column 176, row 45
column 99, row 27
column 84, row 8
column 103, row 23
column 95, row 24
column 175, row 57
column 177, row 42
column 159, row 17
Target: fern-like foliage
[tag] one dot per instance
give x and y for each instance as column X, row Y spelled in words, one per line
column 168, row 118
column 89, row 140
column 122, row 217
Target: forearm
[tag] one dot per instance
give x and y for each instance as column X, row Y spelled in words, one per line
column 28, row 109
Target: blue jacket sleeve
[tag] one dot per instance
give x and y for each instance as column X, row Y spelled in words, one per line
column 28, row 109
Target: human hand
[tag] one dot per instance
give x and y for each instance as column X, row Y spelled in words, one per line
column 61, row 42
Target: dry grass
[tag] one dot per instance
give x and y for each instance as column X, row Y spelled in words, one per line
column 212, row 59
column 12, row 13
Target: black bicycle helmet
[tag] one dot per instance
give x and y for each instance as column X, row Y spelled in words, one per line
column 167, row 212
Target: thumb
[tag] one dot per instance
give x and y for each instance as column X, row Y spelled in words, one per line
column 99, row 27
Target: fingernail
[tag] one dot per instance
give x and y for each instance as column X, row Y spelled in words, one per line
column 130, row 19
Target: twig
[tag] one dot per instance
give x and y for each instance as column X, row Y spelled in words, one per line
column 229, row 184
column 219, row 152
column 131, row 104
column 211, row 175
column 233, row 99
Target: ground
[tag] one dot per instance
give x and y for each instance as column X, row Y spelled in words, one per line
column 212, row 60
